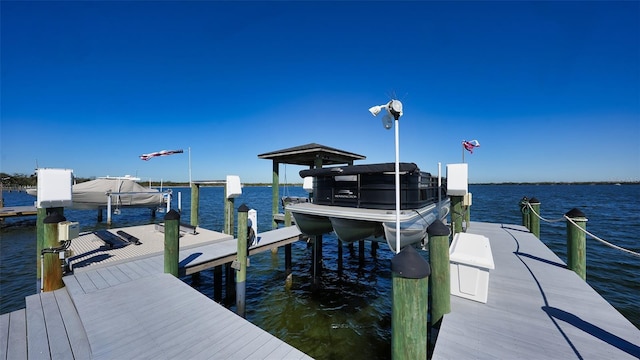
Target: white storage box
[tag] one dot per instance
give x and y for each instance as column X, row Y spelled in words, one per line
column 470, row 261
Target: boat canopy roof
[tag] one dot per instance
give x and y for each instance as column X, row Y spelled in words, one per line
column 359, row 169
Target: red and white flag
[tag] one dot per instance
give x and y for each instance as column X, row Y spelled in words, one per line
column 160, row 153
column 470, row 145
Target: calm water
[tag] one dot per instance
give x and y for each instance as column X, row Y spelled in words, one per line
column 352, row 310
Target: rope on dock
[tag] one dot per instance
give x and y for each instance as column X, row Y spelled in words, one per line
column 529, row 207
column 565, row 217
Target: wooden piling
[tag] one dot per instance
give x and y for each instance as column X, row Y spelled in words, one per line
column 275, row 193
column 534, row 220
column 409, row 336
column 171, row 242
column 241, row 271
column 457, row 213
column 217, row 283
column 42, row 213
column 440, row 274
column 576, row 242
column 340, row 256
column 51, row 265
column 229, row 209
column 316, row 267
column 287, row 248
column 195, row 204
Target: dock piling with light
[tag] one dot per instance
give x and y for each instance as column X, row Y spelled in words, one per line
column 410, row 305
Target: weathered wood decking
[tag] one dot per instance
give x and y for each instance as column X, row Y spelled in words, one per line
column 13, row 211
column 124, row 306
column 536, row 309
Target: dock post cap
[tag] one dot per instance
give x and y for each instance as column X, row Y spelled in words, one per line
column 172, row 215
column 438, row 228
column 54, row 218
column 575, row 213
column 409, row 264
column 533, row 200
column 243, row 208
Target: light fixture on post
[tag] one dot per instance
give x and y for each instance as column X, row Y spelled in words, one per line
column 394, row 109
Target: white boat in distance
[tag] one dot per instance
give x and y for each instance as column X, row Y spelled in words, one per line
column 358, row 202
column 124, row 191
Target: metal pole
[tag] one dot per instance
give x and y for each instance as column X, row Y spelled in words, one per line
column 109, row 208
column 397, row 187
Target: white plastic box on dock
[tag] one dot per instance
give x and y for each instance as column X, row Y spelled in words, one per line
column 470, row 261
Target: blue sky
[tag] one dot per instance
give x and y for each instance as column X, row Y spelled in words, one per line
column 551, row 90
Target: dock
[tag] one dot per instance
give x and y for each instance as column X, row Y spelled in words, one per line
column 118, row 303
column 14, row 211
column 536, row 308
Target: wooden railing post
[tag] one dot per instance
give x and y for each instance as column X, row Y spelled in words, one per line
column 576, row 242
column 534, row 220
column 195, row 203
column 171, row 242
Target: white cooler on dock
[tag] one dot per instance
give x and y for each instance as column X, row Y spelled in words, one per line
column 470, row 261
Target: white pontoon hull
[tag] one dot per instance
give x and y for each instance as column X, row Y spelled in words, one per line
column 353, row 224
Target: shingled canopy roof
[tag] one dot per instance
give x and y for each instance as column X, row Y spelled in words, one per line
column 307, row 154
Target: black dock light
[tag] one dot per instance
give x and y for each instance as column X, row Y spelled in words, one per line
column 409, row 264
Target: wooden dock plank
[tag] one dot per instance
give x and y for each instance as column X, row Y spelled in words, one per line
column 108, row 276
column 85, row 282
column 98, row 280
column 37, row 343
column 17, row 336
column 72, row 285
column 225, row 324
column 117, row 272
column 73, row 325
column 286, row 352
column 127, row 270
column 536, row 308
column 244, row 351
column 59, row 346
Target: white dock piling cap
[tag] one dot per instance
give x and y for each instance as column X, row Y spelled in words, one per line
column 457, row 179
column 234, row 188
column 54, row 187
